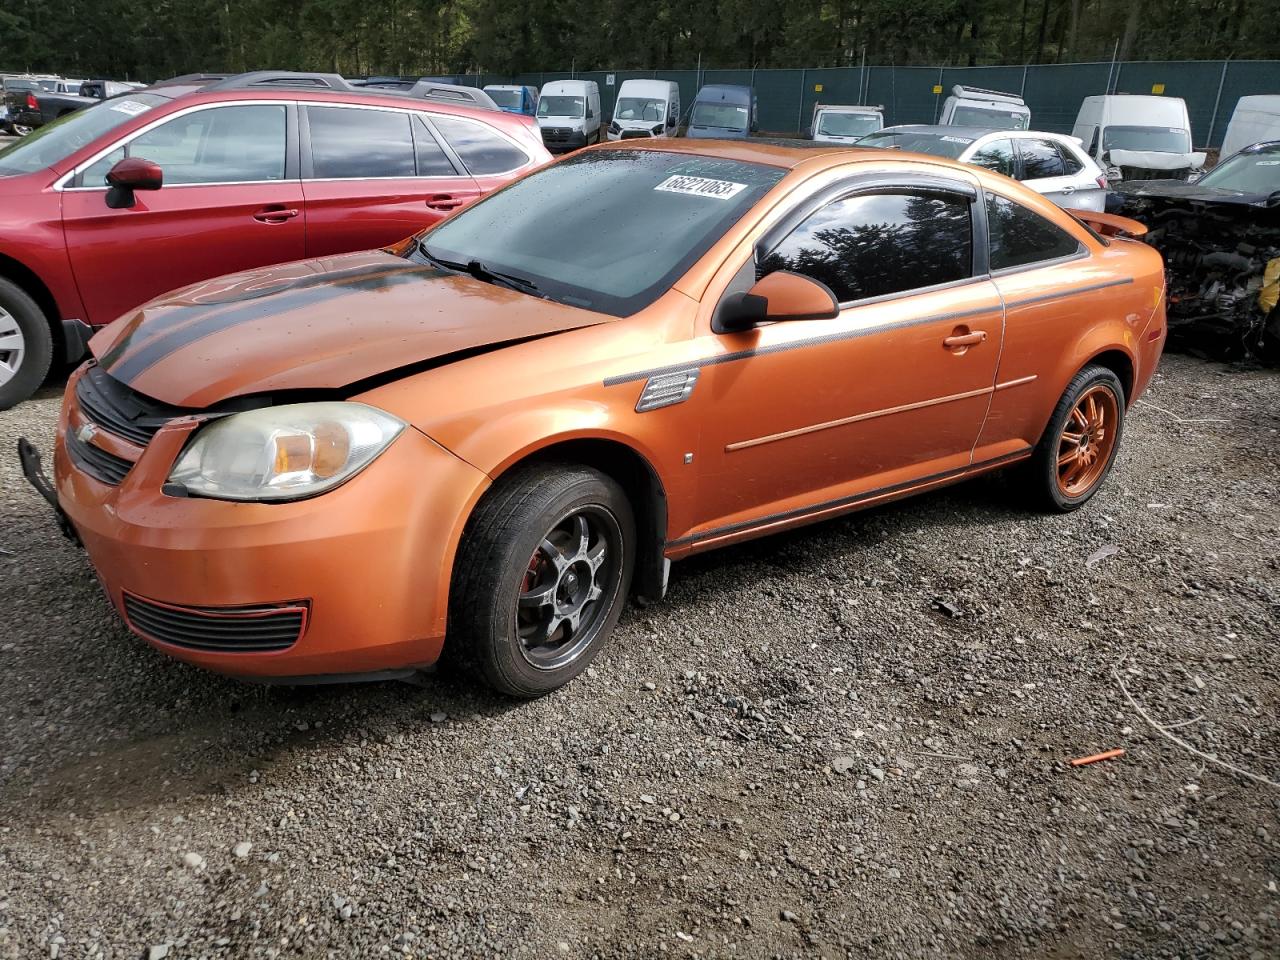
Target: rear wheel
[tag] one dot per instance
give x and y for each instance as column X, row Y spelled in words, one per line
column 1080, row 444
column 541, row 578
column 26, row 345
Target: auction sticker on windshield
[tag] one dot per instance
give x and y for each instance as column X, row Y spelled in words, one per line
column 131, row 107
column 701, row 187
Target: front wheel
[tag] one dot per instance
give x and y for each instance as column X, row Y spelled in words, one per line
column 542, row 575
column 1079, row 446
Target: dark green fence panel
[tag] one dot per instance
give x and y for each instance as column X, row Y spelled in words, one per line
column 1053, row 92
column 1242, row 78
column 1194, row 81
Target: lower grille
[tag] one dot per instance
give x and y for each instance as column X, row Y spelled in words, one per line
column 636, row 134
column 1148, row 173
column 248, row 629
column 95, row 461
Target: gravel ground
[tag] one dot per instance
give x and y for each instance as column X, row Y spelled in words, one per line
column 847, row 740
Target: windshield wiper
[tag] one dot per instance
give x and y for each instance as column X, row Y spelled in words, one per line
column 479, row 271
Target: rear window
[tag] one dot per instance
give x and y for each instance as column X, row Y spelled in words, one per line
column 940, row 145
column 627, row 224
column 1020, row 237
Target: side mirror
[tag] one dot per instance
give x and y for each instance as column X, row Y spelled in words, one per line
column 781, row 295
column 128, row 175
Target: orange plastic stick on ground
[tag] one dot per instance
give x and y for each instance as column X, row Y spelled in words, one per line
column 1106, row 755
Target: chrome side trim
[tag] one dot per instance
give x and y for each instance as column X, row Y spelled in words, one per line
column 1016, row 383
column 858, row 418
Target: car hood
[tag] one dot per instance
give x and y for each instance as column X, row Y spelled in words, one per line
column 1181, row 190
column 316, row 324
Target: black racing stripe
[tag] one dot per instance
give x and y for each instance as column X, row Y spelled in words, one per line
column 178, row 319
column 157, row 348
column 1067, row 293
column 848, row 501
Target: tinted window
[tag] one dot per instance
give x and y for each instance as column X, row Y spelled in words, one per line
column 1019, row 237
column 1040, row 159
column 1070, row 162
column 348, row 143
column 482, row 150
column 625, row 224
column 878, row 244
column 218, row 145
column 997, row 156
column 432, row 161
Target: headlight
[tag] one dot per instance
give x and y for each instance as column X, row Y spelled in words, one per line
column 284, row 453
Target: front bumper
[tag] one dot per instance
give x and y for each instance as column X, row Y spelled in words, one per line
column 370, row 560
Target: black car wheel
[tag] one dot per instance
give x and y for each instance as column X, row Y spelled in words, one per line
column 541, row 578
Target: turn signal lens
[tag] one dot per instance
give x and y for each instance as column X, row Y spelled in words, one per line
column 284, row 453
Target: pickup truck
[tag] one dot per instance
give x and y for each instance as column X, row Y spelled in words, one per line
column 29, row 109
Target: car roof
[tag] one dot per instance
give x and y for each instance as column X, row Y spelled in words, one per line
column 774, row 152
column 973, row 133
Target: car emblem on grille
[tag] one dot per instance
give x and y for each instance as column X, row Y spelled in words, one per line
column 86, row 432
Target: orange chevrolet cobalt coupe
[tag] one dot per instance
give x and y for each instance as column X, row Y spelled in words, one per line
column 496, row 431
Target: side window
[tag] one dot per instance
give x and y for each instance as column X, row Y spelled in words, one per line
column 432, row 161
column 873, row 245
column 218, row 145
column 352, row 142
column 1019, row 237
column 1070, row 162
column 997, row 156
column 482, row 150
column 1040, row 159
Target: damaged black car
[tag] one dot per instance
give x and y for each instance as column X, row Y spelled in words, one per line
column 1220, row 237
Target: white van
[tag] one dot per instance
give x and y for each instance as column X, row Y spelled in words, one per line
column 1138, row 137
column 838, row 123
column 1255, row 119
column 992, row 109
column 569, row 114
column 646, row 108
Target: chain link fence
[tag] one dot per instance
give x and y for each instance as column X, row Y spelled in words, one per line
column 915, row 94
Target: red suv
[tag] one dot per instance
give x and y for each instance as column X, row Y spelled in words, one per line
column 148, row 191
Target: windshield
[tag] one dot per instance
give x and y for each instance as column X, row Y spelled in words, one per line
column 993, row 117
column 1246, row 173
column 833, row 124
column 507, row 99
column 940, row 145
column 628, row 224
column 58, row 140
column 724, row 116
column 15, row 84
column 648, row 109
column 554, row 106
column 1155, row 139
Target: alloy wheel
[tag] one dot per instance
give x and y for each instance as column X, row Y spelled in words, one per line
column 12, row 346
column 1087, row 441
column 568, row 587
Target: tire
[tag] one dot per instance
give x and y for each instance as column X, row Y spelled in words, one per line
column 26, row 345
column 1087, row 425
column 512, row 606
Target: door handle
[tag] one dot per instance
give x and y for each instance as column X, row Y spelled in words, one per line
column 444, row 201
column 1067, row 190
column 962, row 341
column 275, row 213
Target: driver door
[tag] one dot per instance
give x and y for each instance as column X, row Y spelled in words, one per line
column 231, row 201
column 814, row 415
